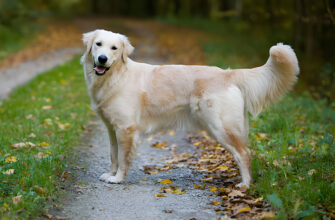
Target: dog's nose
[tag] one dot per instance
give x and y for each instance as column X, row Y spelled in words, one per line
column 102, row 59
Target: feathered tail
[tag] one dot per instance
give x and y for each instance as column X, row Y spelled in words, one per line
column 263, row 85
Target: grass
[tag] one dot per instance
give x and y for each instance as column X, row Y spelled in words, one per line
column 292, row 141
column 44, row 119
column 16, row 37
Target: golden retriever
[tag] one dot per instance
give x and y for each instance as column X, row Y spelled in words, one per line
column 136, row 99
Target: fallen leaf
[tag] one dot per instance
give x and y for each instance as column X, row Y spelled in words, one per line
column 197, row 143
column 9, row 171
column 18, row 145
column 267, row 215
column 162, row 145
column 221, row 168
column 39, row 189
column 213, row 188
column 48, row 216
column 168, row 210
column 178, row 191
column 66, row 175
column 236, row 193
column 311, row 172
column 11, row 159
column 41, row 155
column 166, row 181
column 208, row 179
column 215, row 202
column 47, row 107
column 44, row 144
column 144, row 179
column 261, row 136
column 171, row 133
column 242, row 210
column 16, row 199
column 159, row 195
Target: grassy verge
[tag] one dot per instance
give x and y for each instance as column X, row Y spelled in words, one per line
column 292, row 141
column 39, row 124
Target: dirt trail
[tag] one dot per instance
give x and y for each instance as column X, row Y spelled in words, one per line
column 135, row 199
column 20, row 74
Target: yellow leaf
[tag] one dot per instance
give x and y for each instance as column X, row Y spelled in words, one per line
column 47, row 99
column 166, row 181
column 244, row 209
column 197, row 143
column 215, row 202
column 11, row 159
column 144, row 179
column 261, row 136
column 159, row 195
column 44, row 144
column 213, row 188
column 160, row 145
column 178, row 191
column 171, row 133
column 221, row 167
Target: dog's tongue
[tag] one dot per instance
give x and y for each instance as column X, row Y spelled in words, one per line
column 99, row 69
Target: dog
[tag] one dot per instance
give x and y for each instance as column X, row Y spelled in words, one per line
column 136, row 99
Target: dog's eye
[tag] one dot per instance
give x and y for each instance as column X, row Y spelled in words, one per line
column 98, row 44
column 114, row 48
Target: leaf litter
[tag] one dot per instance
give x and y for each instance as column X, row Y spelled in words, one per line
column 221, row 174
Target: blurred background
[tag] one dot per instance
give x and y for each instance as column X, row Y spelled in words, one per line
column 238, row 32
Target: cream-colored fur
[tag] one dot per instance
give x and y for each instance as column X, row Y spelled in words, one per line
column 136, row 99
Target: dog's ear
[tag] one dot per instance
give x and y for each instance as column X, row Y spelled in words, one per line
column 88, row 39
column 127, row 48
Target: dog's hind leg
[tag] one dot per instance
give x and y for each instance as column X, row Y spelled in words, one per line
column 224, row 116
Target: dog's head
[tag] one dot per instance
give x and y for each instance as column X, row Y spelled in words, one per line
column 106, row 49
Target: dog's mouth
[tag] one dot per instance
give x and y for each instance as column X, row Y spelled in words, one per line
column 100, row 70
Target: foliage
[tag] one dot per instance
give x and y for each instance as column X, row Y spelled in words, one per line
column 295, row 148
column 39, row 123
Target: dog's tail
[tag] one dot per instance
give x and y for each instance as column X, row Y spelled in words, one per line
column 263, row 85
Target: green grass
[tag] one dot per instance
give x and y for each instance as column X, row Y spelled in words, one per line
column 293, row 140
column 16, row 37
column 49, row 112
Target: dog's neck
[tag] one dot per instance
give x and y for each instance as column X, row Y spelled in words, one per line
column 113, row 79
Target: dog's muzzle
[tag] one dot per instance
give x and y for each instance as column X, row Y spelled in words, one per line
column 100, row 70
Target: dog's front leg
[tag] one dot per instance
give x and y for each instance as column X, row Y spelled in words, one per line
column 126, row 142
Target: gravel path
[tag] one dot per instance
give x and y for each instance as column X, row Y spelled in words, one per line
column 12, row 77
column 89, row 198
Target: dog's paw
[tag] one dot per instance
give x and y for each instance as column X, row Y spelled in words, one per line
column 108, row 178
column 242, row 185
